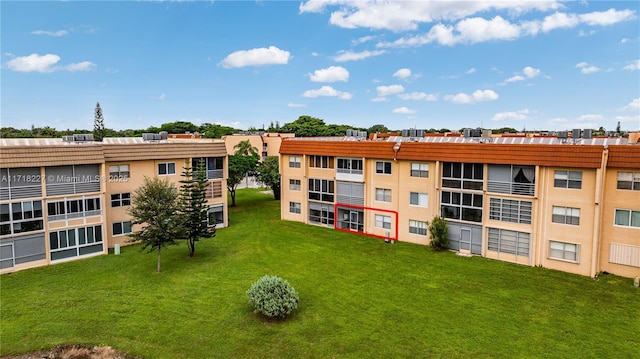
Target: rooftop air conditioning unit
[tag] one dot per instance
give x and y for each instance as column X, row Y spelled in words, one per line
column 148, row 136
column 588, row 134
column 575, row 133
column 164, row 135
column 563, row 134
column 67, row 138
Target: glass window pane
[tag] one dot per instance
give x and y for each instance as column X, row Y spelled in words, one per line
column 622, row 217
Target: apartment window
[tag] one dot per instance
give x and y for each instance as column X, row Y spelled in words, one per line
column 627, row 218
column 215, row 215
column 321, row 161
column 321, row 190
column 120, row 199
column 462, row 206
column 566, row 215
column 564, row 251
column 320, row 213
column 507, row 210
column 350, row 165
column 294, row 185
column 118, row 172
column 383, row 195
column 462, row 175
column 350, row 193
column 418, row 199
column 294, row 207
column 511, row 179
column 383, row 221
column 213, row 166
column 120, row 228
column 383, row 167
column 506, row 241
column 294, row 161
column 418, row 227
column 20, row 217
column 629, row 180
column 167, row 168
column 419, row 170
column 567, row 179
column 73, row 208
column 75, row 242
column 18, row 183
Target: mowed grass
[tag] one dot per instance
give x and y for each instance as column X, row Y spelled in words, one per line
column 359, row 298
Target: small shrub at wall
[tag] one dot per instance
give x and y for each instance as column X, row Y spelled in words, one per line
column 438, row 230
column 273, row 297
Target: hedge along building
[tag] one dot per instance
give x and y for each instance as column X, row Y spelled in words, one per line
column 567, row 204
column 62, row 200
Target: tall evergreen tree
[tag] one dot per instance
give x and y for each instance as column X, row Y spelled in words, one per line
column 193, row 204
column 98, row 124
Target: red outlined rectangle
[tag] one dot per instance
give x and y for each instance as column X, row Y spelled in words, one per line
column 393, row 237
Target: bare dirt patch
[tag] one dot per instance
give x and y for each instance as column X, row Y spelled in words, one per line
column 73, row 351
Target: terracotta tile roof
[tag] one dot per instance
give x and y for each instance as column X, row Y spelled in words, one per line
column 624, row 156
column 522, row 154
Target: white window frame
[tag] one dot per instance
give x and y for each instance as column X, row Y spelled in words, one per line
column 124, row 226
column 419, row 170
column 120, row 200
column 567, row 179
column 567, row 213
column 384, row 167
column 629, row 218
column 295, row 184
column 418, row 227
column 564, row 249
column 295, row 207
column 117, row 172
column 633, row 178
column 167, row 168
column 383, row 221
column 383, row 195
column 423, row 199
column 295, row 161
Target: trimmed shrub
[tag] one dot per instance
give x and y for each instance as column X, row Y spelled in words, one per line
column 438, row 230
column 273, row 296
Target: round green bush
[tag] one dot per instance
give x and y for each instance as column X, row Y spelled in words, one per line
column 273, row 297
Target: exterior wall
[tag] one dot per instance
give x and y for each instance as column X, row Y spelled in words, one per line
column 288, row 195
column 616, row 235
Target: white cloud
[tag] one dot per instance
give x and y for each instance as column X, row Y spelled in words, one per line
column 354, row 56
column 585, row 68
column 471, row 71
column 402, row 73
column 590, row 117
column 81, row 66
column 362, row 40
column 609, row 17
column 389, row 90
column 330, row 74
column 379, row 99
column 515, row 78
column 633, row 105
column 256, row 57
column 50, row 33
column 46, row 63
column 419, row 96
column 476, row 96
column 519, row 115
column 530, row 72
column 327, row 91
column 404, row 110
column 635, row 65
column 624, row 40
column 296, row 105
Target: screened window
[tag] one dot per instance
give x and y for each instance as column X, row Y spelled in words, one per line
column 168, row 168
column 511, row 179
column 566, row 215
column 350, row 193
column 320, row 213
column 118, row 172
column 20, row 217
column 418, row 199
column 75, row 242
column 418, row 227
column 507, row 210
column 321, row 161
column 120, row 228
column 563, row 251
column 383, row 167
column 629, row 180
column 463, row 175
column 383, row 195
column 215, row 215
column 419, row 170
column 294, row 185
column 294, row 161
column 294, row 207
column 349, row 165
column 383, row 221
column 120, row 199
column 321, row 190
column 462, row 206
column 627, row 218
column 213, row 166
column 506, row 241
column 567, row 179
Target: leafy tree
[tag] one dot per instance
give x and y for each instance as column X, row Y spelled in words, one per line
column 193, row 204
column 305, row 126
column 178, row 127
column 438, row 230
column 241, row 164
column 268, row 172
column 209, row 130
column 155, row 205
column 98, row 124
column 378, row 128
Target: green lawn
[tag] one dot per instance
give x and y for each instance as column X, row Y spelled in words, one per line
column 359, row 298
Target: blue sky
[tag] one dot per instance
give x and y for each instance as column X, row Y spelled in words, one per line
column 549, row 65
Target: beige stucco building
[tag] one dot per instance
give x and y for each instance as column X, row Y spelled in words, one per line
column 568, row 204
column 62, row 200
column 267, row 144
